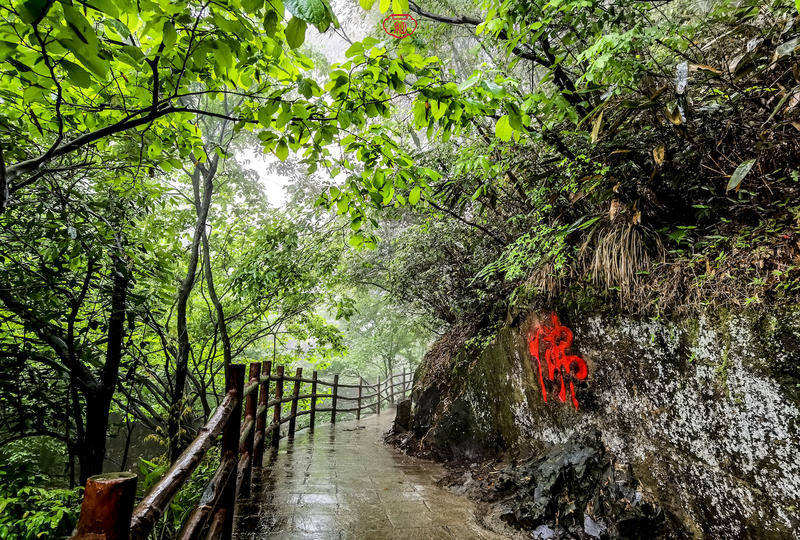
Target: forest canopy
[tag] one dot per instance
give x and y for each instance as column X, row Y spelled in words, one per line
column 620, row 155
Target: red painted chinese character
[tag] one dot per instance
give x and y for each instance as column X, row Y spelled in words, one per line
column 556, row 340
column 399, row 25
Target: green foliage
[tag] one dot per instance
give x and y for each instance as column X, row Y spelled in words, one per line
column 381, row 338
column 32, row 512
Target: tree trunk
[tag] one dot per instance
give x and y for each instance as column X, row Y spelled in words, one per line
column 184, row 347
column 212, row 293
column 98, row 399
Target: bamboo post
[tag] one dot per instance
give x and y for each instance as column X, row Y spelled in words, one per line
column 335, row 395
column 313, row 414
column 295, row 392
column 378, row 395
column 251, row 407
column 107, row 506
column 261, row 420
column 391, row 388
column 234, row 380
column 404, row 383
column 276, row 413
column 358, row 409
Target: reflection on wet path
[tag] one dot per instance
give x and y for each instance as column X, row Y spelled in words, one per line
column 343, row 482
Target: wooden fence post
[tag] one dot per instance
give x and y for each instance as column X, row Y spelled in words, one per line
column 313, row 414
column 261, row 416
column 404, row 383
column 251, row 407
column 358, row 409
column 276, row 413
column 295, row 392
column 378, row 395
column 333, row 399
column 391, row 388
column 234, row 380
column 107, row 506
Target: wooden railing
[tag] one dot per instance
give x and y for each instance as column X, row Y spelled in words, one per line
column 241, row 419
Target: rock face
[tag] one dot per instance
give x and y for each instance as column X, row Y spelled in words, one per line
column 402, row 418
column 706, row 412
column 575, row 490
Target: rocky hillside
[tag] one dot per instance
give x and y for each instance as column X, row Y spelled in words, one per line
column 693, row 423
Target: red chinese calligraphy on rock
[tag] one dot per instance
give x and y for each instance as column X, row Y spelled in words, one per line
column 556, row 339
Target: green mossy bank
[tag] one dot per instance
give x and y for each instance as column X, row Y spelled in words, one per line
column 705, row 410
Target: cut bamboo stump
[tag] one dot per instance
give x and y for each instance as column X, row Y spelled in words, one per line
column 295, row 394
column 334, row 397
column 313, row 414
column 107, row 507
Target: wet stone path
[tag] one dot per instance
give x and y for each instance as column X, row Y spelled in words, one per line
column 343, row 482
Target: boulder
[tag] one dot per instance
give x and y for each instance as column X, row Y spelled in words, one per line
column 703, row 411
column 402, row 419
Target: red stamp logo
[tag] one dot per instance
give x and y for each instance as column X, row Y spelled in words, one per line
column 399, row 26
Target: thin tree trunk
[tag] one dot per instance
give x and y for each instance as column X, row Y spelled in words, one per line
column 184, row 346
column 212, row 293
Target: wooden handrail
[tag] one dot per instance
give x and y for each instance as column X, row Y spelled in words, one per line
column 244, row 438
column 156, row 501
column 210, row 500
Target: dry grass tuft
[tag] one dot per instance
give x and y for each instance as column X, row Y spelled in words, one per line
column 620, row 255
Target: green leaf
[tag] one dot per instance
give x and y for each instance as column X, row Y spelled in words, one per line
column 79, row 76
column 420, row 117
column 93, row 62
column 282, row 150
column 79, row 26
column 313, row 11
column 438, row 109
column 344, row 119
column 296, row 32
column 413, row 197
column 503, row 129
column 400, row 6
column 739, row 174
column 384, row 5
column 170, row 36
column 270, row 23
column 354, row 49
column 283, row 118
column 469, row 83
column 305, row 88
column 106, row 6
column 33, row 9
column 357, row 240
column 264, row 116
column 367, row 4
column 495, row 89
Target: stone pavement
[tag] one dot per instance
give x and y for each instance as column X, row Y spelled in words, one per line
column 343, row 482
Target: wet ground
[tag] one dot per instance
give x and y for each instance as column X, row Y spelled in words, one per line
column 344, row 482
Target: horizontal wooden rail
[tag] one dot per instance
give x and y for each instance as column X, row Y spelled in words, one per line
column 210, row 501
column 156, row 501
column 251, row 387
column 242, row 420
